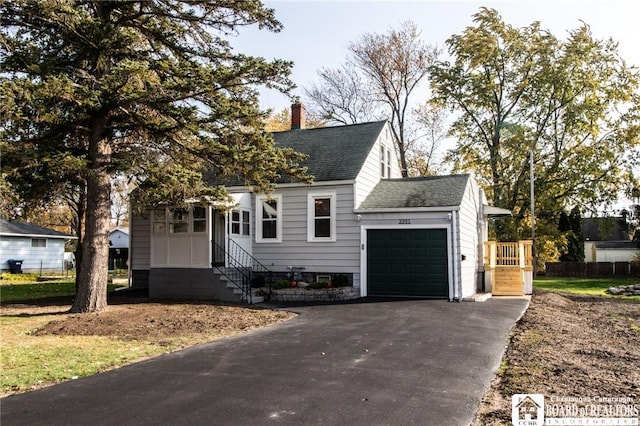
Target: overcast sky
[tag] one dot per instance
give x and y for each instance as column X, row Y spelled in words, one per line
column 316, row 33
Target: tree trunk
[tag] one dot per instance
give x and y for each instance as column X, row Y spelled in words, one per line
column 93, row 273
column 80, row 209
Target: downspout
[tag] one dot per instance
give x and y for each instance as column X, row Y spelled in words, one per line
column 456, row 255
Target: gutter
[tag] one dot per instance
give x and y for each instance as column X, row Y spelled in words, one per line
column 63, row 237
column 409, row 209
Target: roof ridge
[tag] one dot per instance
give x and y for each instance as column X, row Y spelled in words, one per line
column 421, row 178
column 340, row 126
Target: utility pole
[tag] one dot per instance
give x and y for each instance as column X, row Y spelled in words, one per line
column 533, row 212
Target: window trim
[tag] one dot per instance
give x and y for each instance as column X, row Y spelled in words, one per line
column 39, row 239
column 233, row 222
column 385, row 162
column 243, row 223
column 311, row 217
column 259, row 210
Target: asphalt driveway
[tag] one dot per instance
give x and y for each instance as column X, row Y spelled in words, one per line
column 424, row 362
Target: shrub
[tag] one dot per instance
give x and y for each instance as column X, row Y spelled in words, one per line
column 320, row 284
column 282, row 284
column 6, row 276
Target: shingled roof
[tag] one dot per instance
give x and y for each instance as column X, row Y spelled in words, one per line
column 14, row 227
column 431, row 191
column 334, row 153
column 605, row 229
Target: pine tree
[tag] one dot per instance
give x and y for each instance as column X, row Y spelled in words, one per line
column 147, row 89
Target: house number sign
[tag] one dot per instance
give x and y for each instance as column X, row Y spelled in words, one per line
column 404, row 221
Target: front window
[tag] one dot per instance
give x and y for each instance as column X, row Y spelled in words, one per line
column 321, row 217
column 270, row 219
column 269, row 224
column 180, row 221
column 240, row 222
column 159, row 222
column 199, row 219
column 235, row 222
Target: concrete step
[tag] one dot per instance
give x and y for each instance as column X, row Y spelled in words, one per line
column 257, row 299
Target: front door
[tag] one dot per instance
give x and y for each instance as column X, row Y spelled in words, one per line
column 218, row 240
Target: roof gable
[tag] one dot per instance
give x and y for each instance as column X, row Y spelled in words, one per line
column 431, row 191
column 334, row 153
column 605, row 229
column 14, row 227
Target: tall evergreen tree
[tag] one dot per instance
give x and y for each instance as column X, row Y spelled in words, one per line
column 571, row 227
column 150, row 89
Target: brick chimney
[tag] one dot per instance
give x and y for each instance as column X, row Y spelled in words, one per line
column 298, row 116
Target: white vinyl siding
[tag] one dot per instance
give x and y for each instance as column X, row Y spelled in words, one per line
column 470, row 240
column 140, row 242
column 370, row 174
column 49, row 257
column 341, row 256
column 321, row 216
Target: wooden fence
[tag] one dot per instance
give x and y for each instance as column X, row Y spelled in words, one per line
column 592, row 269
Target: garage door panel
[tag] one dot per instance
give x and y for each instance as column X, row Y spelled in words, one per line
column 417, row 252
column 407, row 262
column 397, row 252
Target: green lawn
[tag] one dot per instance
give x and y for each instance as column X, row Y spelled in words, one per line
column 586, row 286
column 14, row 291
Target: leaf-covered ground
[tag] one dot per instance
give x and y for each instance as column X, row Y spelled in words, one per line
column 568, row 346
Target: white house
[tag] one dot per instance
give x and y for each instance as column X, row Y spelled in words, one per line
column 391, row 236
column 607, row 240
column 36, row 248
column 118, row 248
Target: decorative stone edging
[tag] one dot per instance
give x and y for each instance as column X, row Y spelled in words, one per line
column 625, row 290
column 317, row 295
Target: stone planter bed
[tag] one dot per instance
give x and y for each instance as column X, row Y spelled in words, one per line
column 314, row 295
column 625, row 290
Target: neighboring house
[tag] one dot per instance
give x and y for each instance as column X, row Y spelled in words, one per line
column 118, row 248
column 414, row 237
column 606, row 239
column 39, row 249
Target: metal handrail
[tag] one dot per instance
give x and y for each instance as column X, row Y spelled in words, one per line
column 241, row 268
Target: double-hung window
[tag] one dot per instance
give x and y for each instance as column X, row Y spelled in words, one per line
column 246, row 223
column 199, row 219
column 385, row 161
column 321, row 216
column 240, row 224
column 269, row 218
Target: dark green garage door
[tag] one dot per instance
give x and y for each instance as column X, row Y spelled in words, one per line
column 407, row 262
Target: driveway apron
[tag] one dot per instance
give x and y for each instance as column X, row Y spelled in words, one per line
column 425, row 362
